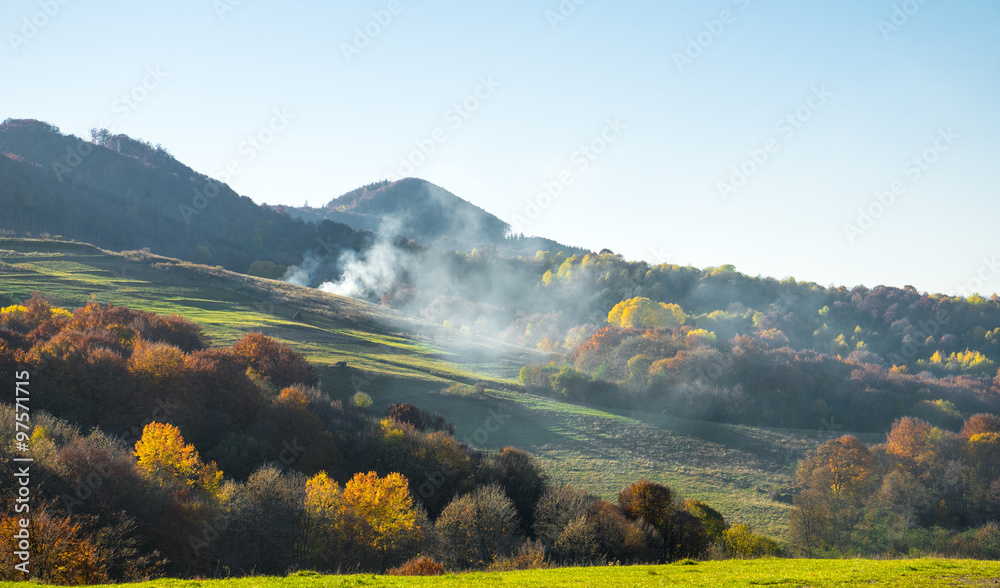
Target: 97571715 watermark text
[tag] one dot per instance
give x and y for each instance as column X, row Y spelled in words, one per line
column 22, row 473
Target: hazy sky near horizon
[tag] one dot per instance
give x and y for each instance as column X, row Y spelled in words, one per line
column 842, row 142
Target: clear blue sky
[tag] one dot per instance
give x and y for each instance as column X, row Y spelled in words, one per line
column 654, row 193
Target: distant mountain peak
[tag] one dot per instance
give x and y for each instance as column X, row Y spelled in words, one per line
column 431, row 215
column 355, row 196
column 424, row 208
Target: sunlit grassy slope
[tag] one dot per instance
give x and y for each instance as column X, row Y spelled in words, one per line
column 396, row 358
column 772, row 572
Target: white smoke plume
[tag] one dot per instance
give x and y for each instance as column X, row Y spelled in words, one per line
column 368, row 274
column 302, row 275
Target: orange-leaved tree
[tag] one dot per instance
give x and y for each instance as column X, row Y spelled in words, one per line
column 656, row 504
column 275, row 361
column 980, row 423
column 919, row 447
column 161, row 373
column 59, row 550
column 844, row 467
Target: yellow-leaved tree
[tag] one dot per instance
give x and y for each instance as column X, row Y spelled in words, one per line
column 327, row 530
column 700, row 337
column 164, row 456
column 982, row 470
column 323, row 497
column 384, row 507
column 643, row 313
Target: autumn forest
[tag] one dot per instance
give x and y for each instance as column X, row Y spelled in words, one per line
column 280, row 438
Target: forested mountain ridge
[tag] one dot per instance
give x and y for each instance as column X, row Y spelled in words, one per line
column 120, row 193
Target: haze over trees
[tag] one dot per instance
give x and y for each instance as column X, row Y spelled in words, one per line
column 203, row 433
column 159, row 453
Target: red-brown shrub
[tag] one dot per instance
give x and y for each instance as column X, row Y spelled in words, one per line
column 420, row 566
column 173, row 330
column 275, row 361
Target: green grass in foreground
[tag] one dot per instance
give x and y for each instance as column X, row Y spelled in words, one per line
column 769, row 572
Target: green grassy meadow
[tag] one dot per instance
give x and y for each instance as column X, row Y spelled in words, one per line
column 767, row 572
column 398, row 358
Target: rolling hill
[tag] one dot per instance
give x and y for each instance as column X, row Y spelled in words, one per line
column 126, row 194
column 454, row 328
column 399, row 358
